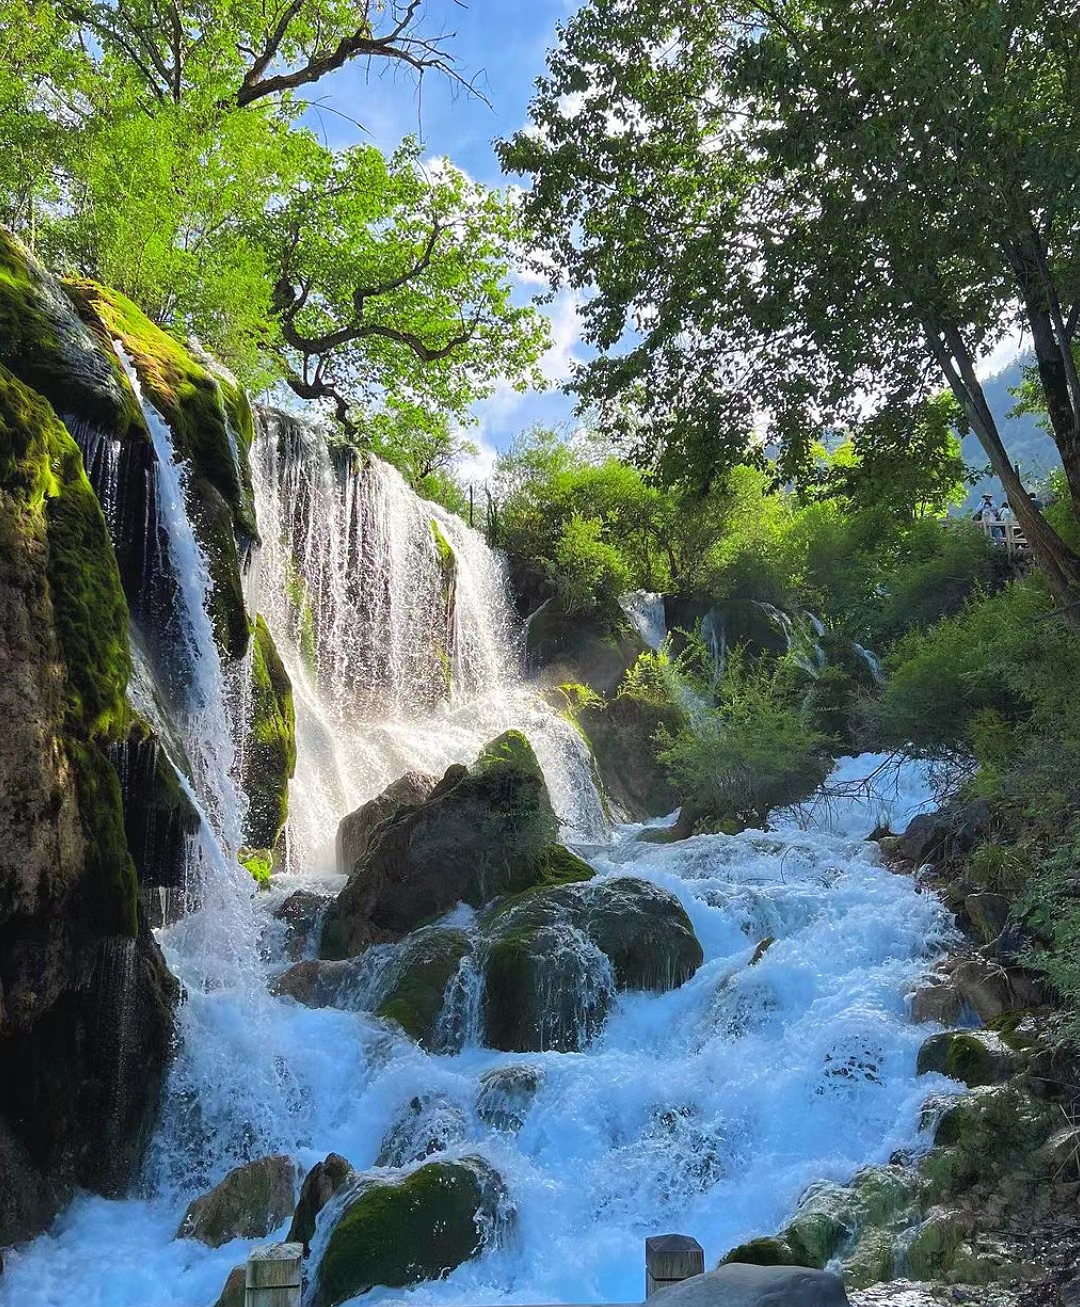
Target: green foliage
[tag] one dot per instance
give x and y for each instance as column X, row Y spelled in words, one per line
column 754, row 752
column 257, row 864
column 882, row 251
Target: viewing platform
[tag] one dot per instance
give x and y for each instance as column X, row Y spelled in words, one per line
column 1010, row 536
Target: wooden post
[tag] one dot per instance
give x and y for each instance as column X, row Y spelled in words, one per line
column 670, row 1258
column 273, row 1275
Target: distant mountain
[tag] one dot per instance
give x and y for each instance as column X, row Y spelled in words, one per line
column 1028, row 443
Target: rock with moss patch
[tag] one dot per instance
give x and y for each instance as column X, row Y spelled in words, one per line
column 991, row 990
column 356, row 832
column 402, row 1232
column 506, row 1094
column 249, row 1203
column 270, row 749
column 554, row 959
column 974, row 1057
column 424, row 966
column 482, row 832
column 321, row 1183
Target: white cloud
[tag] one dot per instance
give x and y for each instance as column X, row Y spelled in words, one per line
column 999, row 358
column 475, row 469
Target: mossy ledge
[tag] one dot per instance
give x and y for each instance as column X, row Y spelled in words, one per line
column 270, row 749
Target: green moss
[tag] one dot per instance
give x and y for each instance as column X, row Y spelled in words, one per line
column 270, row 752
column 51, row 501
column 511, row 750
column 297, row 593
column 36, row 327
column 445, row 550
column 431, row 958
column 558, row 866
column 972, row 1057
column 196, row 405
column 763, row 1252
column 258, row 863
column 399, row 1234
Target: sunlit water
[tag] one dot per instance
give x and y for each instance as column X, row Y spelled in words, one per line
column 706, row 1110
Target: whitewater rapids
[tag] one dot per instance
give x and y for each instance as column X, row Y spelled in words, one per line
column 706, row 1110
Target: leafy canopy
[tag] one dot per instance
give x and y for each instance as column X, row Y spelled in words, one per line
column 787, row 215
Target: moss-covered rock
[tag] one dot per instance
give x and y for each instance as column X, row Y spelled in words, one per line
column 402, row 1232
column 249, row 1203
column 270, row 748
column 974, row 1057
column 197, row 405
column 81, row 1069
column 622, row 736
column 482, row 832
column 50, row 349
column 553, row 959
column 425, row 965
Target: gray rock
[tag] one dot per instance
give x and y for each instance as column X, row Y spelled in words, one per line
column 938, row 1001
column 988, row 914
column 739, row 1285
column 249, row 1203
column 427, row 1124
column 506, row 1094
column 354, row 834
column 992, row 990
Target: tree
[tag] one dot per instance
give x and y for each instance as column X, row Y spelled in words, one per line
column 380, row 287
column 393, row 281
column 804, row 207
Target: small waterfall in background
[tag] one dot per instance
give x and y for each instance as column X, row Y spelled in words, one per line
column 645, row 612
column 394, row 622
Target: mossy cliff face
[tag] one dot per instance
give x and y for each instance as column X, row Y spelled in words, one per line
column 57, row 338
column 270, row 749
column 212, row 430
column 79, row 975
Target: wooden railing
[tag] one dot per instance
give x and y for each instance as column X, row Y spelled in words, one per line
column 1010, row 535
column 273, row 1276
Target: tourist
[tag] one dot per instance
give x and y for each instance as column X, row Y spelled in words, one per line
column 1005, row 513
column 986, row 512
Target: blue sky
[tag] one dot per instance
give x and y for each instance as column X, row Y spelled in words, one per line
column 501, row 45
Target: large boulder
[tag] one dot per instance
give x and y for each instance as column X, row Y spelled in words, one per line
column 404, row 1231
column 738, row 1285
column 251, row 1201
column 321, row 1183
column 555, row 958
column 992, row 990
column 934, row 836
column 355, row 832
column 482, row 832
column 974, row 1057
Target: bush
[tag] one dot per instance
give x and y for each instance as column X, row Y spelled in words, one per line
column 751, row 754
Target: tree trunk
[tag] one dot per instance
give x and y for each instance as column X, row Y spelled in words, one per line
column 1053, row 353
column 1057, row 562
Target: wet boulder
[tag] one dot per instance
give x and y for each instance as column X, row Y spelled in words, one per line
column 974, row 1057
column 407, row 1230
column 315, row 983
column 299, row 914
column 554, row 960
column 506, row 1094
column 426, row 1125
column 321, row 1183
column 415, row 993
column 249, row 1203
column 992, row 990
column 934, row 836
column 234, row 1292
column 988, row 914
column 482, row 832
column 356, row 832
column 739, row 1285
column 270, row 748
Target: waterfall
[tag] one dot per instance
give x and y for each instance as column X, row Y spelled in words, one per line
column 393, row 620
column 645, row 611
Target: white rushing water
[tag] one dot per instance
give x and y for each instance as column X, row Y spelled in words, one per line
column 705, row 1110
column 394, row 666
